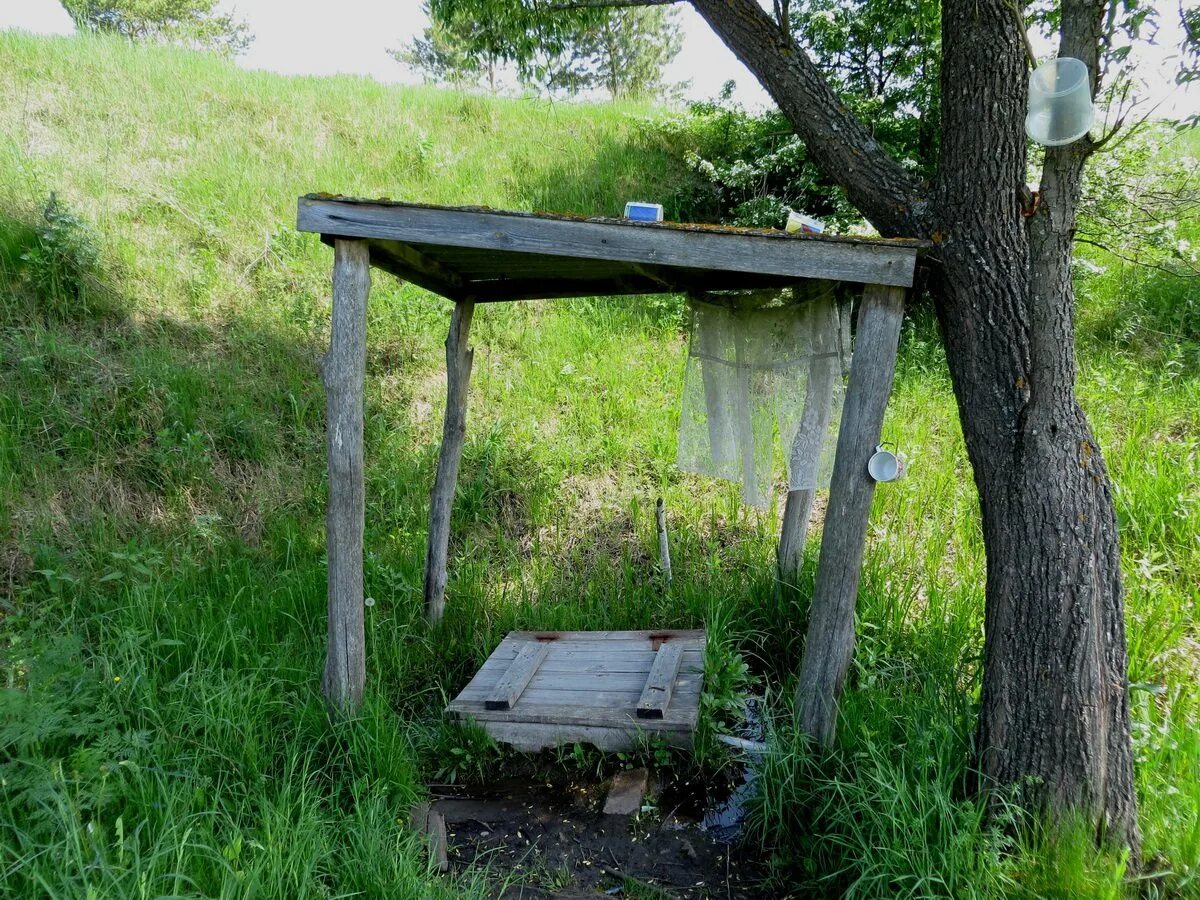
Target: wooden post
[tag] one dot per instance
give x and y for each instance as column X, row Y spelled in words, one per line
column 664, row 546
column 823, row 372
column 744, row 413
column 829, row 645
column 343, row 370
column 459, row 357
column 793, row 533
column 719, row 437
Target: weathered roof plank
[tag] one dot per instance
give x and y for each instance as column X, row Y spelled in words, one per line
column 512, row 256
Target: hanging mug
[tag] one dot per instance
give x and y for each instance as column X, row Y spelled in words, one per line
column 884, row 465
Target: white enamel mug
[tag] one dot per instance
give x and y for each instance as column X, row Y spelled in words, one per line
column 884, row 465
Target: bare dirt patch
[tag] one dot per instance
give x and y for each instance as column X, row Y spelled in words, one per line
column 549, row 838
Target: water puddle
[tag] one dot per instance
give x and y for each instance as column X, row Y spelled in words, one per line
column 723, row 820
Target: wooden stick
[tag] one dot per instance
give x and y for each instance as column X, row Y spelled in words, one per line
column 823, row 372
column 664, row 548
column 459, row 357
column 343, row 371
column 829, row 645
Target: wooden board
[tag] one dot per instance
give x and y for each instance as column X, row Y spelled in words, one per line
column 542, row 689
column 577, row 244
column 661, row 682
column 517, row 676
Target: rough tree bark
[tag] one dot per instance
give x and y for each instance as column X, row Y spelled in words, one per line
column 1054, row 717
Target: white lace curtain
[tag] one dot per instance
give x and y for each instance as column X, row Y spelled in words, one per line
column 758, row 367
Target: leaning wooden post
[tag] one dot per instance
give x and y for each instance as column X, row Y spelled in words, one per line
column 459, row 357
column 823, row 372
column 343, row 370
column 829, row 645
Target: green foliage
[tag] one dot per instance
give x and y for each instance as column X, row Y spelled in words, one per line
column 1137, row 269
column 883, row 819
column 751, row 167
column 621, row 50
column 1064, row 862
column 500, row 32
column 1141, row 199
column 53, row 264
column 462, row 753
column 443, row 54
column 884, row 60
column 194, row 23
column 1189, row 70
column 625, row 54
column 728, row 682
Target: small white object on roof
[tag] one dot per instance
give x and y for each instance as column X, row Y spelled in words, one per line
column 800, row 223
column 1060, row 102
column 639, row 211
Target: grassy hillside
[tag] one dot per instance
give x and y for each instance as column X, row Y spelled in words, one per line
column 162, row 485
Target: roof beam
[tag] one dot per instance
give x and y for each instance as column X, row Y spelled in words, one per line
column 658, row 245
column 412, row 265
column 625, row 285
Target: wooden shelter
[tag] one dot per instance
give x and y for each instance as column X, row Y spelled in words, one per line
column 476, row 255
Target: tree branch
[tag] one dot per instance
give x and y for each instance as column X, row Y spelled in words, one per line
column 1105, row 140
column 783, row 15
column 836, row 141
column 1030, row 56
column 1051, row 232
column 604, row 4
column 1134, row 261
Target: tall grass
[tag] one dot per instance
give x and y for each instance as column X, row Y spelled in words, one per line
column 162, row 487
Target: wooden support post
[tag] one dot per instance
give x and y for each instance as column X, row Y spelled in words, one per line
column 664, row 546
column 823, row 372
column 793, row 533
column 459, row 357
column 343, row 370
column 720, row 439
column 829, row 645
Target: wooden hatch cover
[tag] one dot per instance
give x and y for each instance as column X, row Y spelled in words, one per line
column 545, row 688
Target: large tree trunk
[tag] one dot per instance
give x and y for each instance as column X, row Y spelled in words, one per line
column 1054, row 718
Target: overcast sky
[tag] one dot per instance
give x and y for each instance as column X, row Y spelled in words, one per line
column 322, row 37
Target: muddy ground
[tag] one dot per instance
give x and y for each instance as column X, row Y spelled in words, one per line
column 546, row 836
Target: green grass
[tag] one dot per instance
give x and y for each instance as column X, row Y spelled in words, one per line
column 161, row 509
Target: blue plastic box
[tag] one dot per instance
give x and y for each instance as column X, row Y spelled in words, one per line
column 643, row 212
